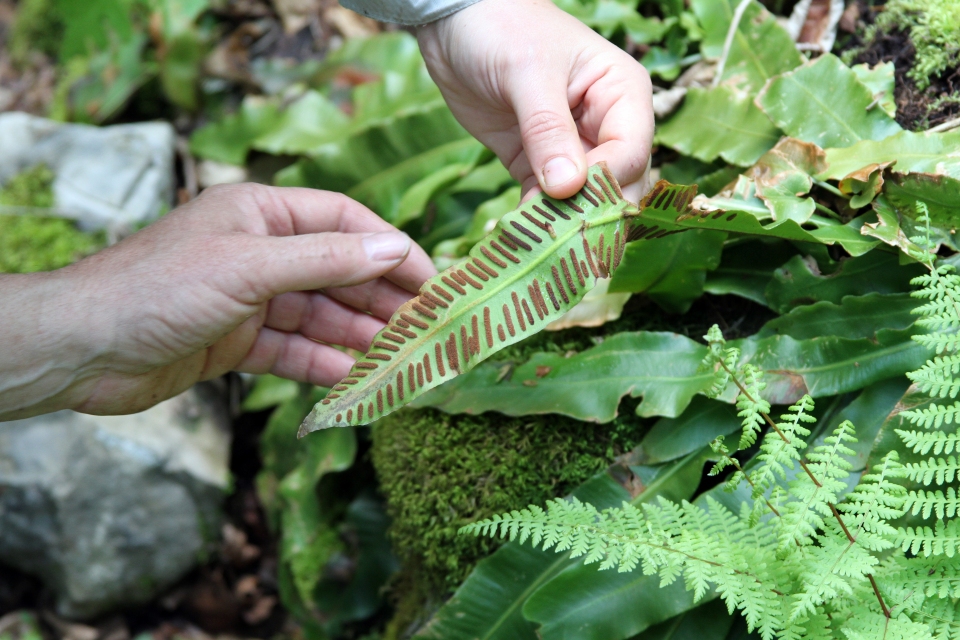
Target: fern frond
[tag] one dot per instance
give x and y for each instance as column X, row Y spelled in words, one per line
column 939, row 342
column 941, row 540
column 875, row 501
column 752, row 407
column 804, row 516
column 939, row 470
column 936, row 377
column 720, row 360
column 929, row 503
column 934, row 416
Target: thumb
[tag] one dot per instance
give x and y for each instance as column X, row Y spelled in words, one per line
column 321, row 260
column 551, row 140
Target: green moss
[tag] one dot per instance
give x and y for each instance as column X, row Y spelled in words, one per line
column 38, row 27
column 440, row 472
column 29, row 243
column 934, row 27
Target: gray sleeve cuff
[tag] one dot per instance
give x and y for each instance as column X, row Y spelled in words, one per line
column 406, row 12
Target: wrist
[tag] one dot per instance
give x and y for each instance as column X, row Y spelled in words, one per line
column 50, row 345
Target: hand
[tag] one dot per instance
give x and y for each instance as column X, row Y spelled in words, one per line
column 245, row 278
column 548, row 95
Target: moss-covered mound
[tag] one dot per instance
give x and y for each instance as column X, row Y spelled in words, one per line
column 440, row 472
column 30, row 243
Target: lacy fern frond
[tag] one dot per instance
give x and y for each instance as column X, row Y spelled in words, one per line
column 940, row 540
column 720, row 359
column 752, row 407
column 938, row 503
column 933, row 416
column 936, row 377
column 933, row 470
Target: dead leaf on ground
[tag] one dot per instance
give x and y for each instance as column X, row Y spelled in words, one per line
column 813, row 24
column 296, row 14
column 350, row 24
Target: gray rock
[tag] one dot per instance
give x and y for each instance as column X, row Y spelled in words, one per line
column 109, row 511
column 106, row 177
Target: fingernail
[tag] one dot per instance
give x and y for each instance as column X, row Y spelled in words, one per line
column 386, row 246
column 558, row 171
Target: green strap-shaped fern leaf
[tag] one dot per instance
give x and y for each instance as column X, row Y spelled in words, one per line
column 537, row 263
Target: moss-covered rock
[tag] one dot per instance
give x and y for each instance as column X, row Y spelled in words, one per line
column 440, row 472
column 30, row 243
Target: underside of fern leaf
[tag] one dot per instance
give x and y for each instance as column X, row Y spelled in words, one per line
column 537, row 264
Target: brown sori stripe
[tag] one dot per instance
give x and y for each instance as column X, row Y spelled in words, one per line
column 517, row 241
column 350, row 381
column 472, row 268
column 553, row 298
column 595, row 192
column 403, row 331
column 358, row 374
column 544, row 213
column 379, row 400
column 618, row 250
column 411, row 381
column 535, row 222
column 609, row 259
column 589, row 198
column 570, row 203
column 560, row 289
column 526, row 310
column 339, row 417
column 400, row 385
column 567, row 276
column 593, row 267
column 486, row 326
column 403, row 324
column 611, row 180
column 492, row 258
column 458, row 277
column 427, row 369
column 437, row 302
column 556, row 210
column 422, row 310
column 519, row 311
column 420, row 374
column 333, row 395
column 427, row 302
column 393, row 337
column 388, row 347
column 501, row 334
column 473, row 283
column 325, row 401
column 576, row 267
column 539, row 297
column 360, row 411
column 603, row 239
column 465, row 344
column 506, row 316
column 506, row 254
column 349, row 415
column 660, row 198
column 522, row 229
column 452, row 358
column 604, row 272
column 483, row 265
column 379, row 356
column 417, row 323
column 389, row 394
column 583, row 268
column 440, row 369
column 442, row 292
column 370, row 410
column 536, row 303
column 366, row 365
column 340, row 387
column 453, row 285
column 509, row 241
column 605, row 187
column 475, row 338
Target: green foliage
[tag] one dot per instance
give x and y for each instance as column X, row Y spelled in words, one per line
column 440, row 472
column 934, row 27
column 30, row 242
column 803, row 556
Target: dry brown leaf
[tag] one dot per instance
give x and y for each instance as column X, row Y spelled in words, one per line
column 350, row 24
column 813, row 24
column 296, row 14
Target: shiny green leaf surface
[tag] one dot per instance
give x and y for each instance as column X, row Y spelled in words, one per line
column 824, row 102
column 920, row 152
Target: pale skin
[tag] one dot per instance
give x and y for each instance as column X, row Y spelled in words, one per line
column 264, row 280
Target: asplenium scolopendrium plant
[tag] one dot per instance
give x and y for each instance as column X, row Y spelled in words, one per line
column 536, row 264
column 804, row 557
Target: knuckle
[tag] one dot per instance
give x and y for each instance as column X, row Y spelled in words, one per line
column 545, row 124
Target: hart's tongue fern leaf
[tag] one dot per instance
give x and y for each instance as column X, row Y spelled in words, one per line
column 804, row 557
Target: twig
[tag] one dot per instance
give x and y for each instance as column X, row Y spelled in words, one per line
column 949, row 125
column 728, row 43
